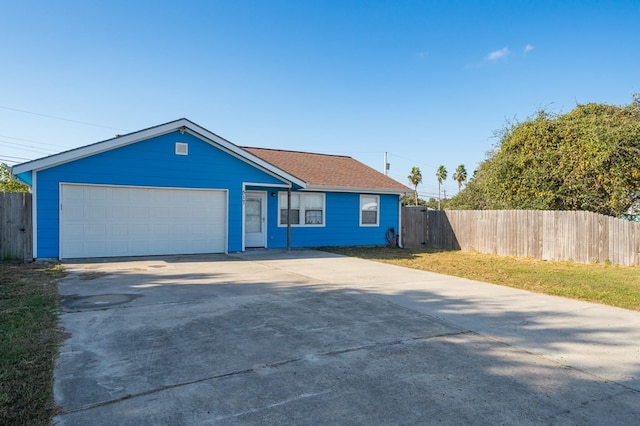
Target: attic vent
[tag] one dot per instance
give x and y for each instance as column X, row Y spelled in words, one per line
column 182, row 148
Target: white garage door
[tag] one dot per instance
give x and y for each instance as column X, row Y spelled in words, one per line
column 103, row 221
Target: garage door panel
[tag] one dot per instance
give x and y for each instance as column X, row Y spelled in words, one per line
column 75, row 195
column 98, row 221
column 163, row 196
column 94, row 246
column 179, row 213
column 140, row 246
column 96, row 194
column 141, row 213
column 161, row 228
column 97, row 212
column 119, row 212
column 97, row 230
column 120, row 196
column 161, row 214
column 118, row 230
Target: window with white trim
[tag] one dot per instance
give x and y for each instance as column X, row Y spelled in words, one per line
column 369, row 210
column 307, row 209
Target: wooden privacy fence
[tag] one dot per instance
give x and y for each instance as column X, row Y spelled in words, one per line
column 15, row 226
column 550, row 235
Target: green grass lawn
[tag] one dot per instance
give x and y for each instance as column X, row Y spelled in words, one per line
column 28, row 342
column 607, row 284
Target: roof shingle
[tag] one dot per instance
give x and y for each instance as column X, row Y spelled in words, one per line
column 327, row 170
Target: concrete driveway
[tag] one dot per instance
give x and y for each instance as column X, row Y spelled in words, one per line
column 308, row 337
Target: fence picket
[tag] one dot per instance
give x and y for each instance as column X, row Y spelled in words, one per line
column 551, row 235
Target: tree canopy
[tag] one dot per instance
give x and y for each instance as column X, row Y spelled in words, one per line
column 8, row 183
column 415, row 178
column 460, row 175
column 441, row 175
column 587, row 159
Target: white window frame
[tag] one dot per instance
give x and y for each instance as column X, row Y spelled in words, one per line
column 282, row 205
column 363, row 197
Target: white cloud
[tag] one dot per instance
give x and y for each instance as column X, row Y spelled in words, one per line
column 528, row 48
column 497, row 54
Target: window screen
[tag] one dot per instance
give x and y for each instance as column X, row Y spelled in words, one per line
column 306, row 208
column 369, row 209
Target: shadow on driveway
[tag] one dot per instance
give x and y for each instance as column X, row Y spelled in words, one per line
column 271, row 338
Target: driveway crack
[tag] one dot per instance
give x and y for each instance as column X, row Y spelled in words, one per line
column 255, row 368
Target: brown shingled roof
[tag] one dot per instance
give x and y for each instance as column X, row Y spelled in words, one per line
column 327, row 170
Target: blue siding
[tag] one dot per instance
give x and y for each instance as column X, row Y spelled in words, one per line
column 150, row 162
column 342, row 226
column 25, row 177
column 153, row 163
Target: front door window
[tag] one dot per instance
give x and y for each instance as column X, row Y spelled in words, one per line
column 253, row 215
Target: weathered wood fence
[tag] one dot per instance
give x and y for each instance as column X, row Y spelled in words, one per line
column 15, row 226
column 580, row 236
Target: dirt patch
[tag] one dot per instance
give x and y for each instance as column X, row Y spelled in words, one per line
column 87, row 276
column 97, row 301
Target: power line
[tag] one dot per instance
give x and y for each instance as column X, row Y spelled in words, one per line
column 12, row 159
column 34, row 141
column 24, row 147
column 63, row 119
column 17, row 158
column 410, row 159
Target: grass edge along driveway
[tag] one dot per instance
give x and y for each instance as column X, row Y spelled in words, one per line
column 29, row 341
column 29, row 337
column 607, row 284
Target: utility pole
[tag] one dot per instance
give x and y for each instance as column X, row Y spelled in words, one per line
column 386, row 165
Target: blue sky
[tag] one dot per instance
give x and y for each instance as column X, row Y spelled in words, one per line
column 429, row 82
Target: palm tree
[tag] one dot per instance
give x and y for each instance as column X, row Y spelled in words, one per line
column 441, row 174
column 460, row 175
column 415, row 178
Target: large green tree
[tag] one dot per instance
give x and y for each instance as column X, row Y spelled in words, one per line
column 8, row 183
column 587, row 159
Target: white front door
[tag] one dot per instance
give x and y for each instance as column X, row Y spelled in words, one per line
column 255, row 219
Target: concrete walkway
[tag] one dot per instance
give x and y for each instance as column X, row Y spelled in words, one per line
column 306, row 337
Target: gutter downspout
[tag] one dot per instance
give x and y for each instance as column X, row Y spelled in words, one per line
column 289, row 218
column 400, row 233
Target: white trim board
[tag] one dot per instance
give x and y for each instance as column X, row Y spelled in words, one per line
column 182, row 125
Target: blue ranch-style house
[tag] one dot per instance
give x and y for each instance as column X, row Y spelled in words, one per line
column 177, row 188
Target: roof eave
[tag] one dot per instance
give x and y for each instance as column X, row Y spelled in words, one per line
column 99, row 147
column 120, row 141
column 365, row 190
